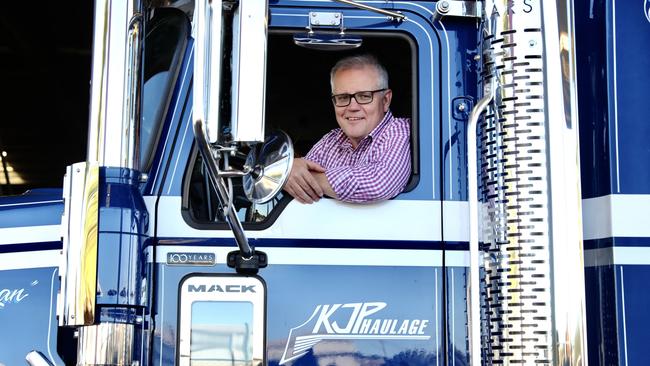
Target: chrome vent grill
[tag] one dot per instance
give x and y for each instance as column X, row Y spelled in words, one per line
column 516, row 293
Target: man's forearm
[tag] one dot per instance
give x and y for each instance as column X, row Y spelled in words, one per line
column 321, row 178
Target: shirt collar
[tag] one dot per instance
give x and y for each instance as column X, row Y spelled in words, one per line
column 380, row 127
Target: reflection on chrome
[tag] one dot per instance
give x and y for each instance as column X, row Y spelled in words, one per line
column 78, row 269
column 106, row 344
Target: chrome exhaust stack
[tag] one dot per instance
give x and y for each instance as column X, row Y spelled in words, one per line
column 531, row 296
column 112, row 160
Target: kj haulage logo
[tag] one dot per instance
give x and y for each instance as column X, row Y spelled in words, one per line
column 360, row 321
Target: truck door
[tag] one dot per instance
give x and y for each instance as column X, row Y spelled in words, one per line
column 345, row 282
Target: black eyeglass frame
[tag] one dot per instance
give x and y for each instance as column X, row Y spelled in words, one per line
column 350, row 96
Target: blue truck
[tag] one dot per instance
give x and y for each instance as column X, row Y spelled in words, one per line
column 522, row 236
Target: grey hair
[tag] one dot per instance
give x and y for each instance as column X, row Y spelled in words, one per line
column 358, row 62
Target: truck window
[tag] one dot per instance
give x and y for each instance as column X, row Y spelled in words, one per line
column 166, row 41
column 298, row 102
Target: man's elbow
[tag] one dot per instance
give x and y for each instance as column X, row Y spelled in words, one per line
column 374, row 194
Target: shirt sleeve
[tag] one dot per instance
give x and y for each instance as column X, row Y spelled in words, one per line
column 382, row 177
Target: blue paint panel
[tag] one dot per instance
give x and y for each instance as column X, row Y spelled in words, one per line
column 616, row 242
column 633, row 302
column 617, row 314
column 33, row 195
column 593, row 109
column 294, row 292
column 35, row 207
column 457, row 313
column 613, row 77
column 123, row 222
column 601, row 316
column 28, row 314
column 179, row 157
column 173, row 119
column 459, row 79
column 632, row 72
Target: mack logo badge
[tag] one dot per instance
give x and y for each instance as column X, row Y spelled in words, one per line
column 221, row 288
column 360, row 322
column 195, row 259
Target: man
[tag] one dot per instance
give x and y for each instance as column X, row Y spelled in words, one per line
column 368, row 158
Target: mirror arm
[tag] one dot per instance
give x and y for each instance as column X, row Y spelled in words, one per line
column 396, row 16
column 229, row 173
column 216, row 178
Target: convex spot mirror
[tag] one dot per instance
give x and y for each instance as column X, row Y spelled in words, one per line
column 270, row 167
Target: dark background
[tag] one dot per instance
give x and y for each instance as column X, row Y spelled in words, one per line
column 45, row 61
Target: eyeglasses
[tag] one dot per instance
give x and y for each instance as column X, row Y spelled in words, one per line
column 362, row 97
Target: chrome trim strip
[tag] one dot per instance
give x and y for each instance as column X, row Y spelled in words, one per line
column 250, row 29
column 132, row 89
column 79, row 223
column 207, row 65
column 116, row 87
column 568, row 282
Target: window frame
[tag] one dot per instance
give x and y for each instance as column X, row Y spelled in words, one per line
column 273, row 215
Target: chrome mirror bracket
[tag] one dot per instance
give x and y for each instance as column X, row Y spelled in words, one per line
column 217, row 180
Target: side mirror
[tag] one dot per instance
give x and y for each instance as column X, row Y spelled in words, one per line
column 270, row 168
column 249, row 26
column 265, row 173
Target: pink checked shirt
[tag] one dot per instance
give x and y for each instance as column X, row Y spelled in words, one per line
column 378, row 169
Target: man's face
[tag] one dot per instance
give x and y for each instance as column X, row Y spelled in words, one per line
column 358, row 120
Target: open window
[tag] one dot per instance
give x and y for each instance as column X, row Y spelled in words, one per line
column 298, row 102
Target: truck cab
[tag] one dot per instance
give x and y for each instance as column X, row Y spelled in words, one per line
column 174, row 243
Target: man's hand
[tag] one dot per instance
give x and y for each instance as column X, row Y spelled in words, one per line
column 301, row 183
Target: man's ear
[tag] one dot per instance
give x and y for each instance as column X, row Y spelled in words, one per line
column 388, row 96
